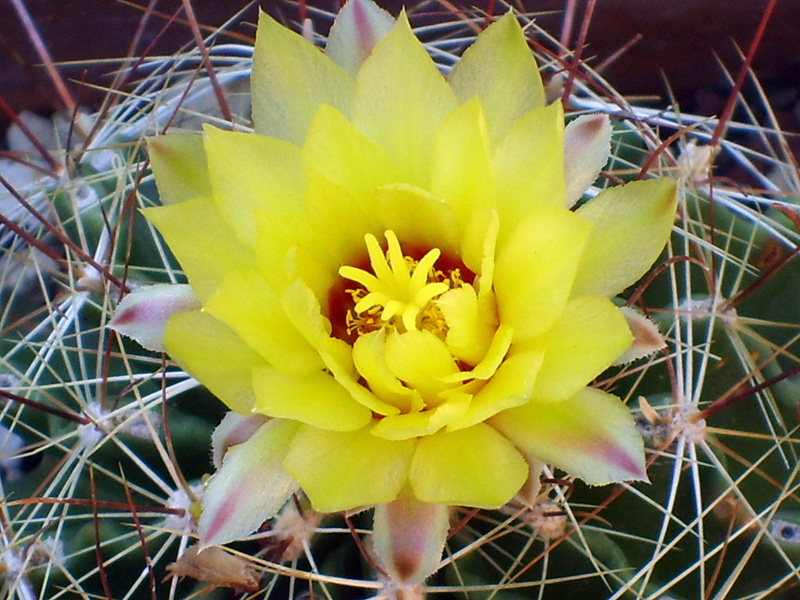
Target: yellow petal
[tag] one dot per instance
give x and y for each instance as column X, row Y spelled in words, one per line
column 471, row 467
column 632, row 225
column 417, row 217
column 478, row 247
column 303, row 310
column 200, row 239
column 529, row 165
column 316, row 271
column 352, row 383
column 312, row 398
column 250, row 172
column 368, row 356
column 247, row 305
column 462, row 171
column 179, row 165
column 281, row 234
column 405, row 426
column 195, row 340
column 495, row 353
column 345, row 470
column 420, row 359
column 587, row 338
column 400, row 100
column 291, row 79
column 470, row 330
column 535, row 269
column 510, row 386
column 336, row 227
column 500, row 69
column 592, row 436
column 341, row 153
column 342, row 174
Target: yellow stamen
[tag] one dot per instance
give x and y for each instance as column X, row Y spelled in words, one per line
column 400, row 288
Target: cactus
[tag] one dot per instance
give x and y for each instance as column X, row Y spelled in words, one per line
column 106, row 446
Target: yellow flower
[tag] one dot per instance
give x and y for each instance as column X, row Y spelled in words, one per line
column 389, row 270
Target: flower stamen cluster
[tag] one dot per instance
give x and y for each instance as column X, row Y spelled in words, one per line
column 401, row 285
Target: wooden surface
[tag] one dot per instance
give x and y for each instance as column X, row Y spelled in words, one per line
column 680, row 38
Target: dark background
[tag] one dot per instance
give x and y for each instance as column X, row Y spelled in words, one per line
column 680, row 40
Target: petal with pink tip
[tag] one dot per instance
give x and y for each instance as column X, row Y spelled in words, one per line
column 587, row 145
column 409, row 537
column 251, row 486
column 592, row 436
column 357, row 28
column 234, row 429
column 143, row 314
column 647, row 339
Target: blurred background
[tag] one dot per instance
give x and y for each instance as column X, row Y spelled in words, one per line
column 682, row 42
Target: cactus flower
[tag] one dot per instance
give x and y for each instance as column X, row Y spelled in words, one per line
column 396, row 300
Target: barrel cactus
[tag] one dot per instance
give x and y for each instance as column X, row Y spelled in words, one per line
column 381, row 314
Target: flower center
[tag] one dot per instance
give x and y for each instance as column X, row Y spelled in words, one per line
column 400, row 291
